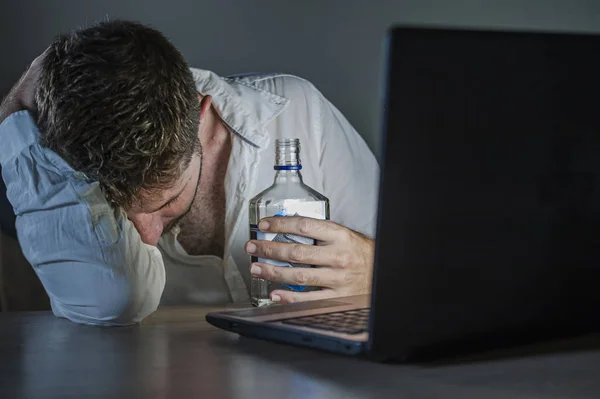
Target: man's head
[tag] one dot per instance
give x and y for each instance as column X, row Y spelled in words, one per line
column 118, row 102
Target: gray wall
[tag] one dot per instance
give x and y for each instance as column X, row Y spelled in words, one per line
column 337, row 44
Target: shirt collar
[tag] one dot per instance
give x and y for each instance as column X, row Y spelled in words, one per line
column 245, row 108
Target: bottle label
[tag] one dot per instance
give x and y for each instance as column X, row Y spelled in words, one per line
column 314, row 210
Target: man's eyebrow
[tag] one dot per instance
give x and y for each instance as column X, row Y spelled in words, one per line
column 172, row 199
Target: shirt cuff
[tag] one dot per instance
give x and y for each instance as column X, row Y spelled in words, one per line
column 17, row 132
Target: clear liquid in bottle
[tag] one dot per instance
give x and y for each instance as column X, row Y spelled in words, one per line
column 287, row 196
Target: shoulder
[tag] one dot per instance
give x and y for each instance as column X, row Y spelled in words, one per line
column 285, row 85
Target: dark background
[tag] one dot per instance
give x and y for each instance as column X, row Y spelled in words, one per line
column 336, row 44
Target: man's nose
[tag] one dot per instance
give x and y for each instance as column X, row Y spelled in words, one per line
column 150, row 228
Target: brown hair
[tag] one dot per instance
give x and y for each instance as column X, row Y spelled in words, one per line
column 118, row 102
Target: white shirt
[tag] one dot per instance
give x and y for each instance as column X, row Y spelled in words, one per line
column 335, row 161
column 91, row 260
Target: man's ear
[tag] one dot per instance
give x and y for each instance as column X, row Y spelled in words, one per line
column 205, row 103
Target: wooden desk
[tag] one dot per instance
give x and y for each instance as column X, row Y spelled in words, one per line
column 176, row 354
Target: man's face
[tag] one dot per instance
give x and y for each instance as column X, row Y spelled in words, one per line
column 153, row 217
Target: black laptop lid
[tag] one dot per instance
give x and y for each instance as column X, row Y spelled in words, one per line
column 490, row 197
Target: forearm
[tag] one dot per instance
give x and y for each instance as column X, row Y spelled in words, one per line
column 99, row 296
column 90, row 280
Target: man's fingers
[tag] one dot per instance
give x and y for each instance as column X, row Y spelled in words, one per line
column 297, row 253
column 306, row 276
column 322, row 230
column 281, row 296
column 22, row 94
column 37, row 62
column 31, row 74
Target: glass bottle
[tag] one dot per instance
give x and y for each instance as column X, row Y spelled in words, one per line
column 287, row 196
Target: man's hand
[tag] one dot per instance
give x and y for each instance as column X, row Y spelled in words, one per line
column 344, row 259
column 22, row 95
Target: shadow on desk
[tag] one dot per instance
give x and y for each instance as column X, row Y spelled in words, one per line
column 583, row 343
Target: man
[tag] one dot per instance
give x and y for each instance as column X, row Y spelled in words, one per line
column 131, row 186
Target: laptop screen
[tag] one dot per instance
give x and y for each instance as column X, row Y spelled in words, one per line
column 490, row 195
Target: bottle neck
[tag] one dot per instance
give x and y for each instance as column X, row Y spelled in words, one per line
column 287, row 161
column 287, row 176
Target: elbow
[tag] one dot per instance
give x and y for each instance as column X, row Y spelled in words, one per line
column 121, row 302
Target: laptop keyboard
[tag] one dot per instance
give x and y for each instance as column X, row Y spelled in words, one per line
column 349, row 322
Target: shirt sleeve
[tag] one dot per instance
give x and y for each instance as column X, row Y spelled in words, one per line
column 89, row 257
column 350, row 171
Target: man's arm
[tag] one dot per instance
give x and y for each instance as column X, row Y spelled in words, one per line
column 90, row 259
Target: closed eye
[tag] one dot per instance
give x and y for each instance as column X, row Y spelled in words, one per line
column 170, row 202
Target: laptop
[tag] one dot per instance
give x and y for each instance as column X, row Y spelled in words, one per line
column 488, row 229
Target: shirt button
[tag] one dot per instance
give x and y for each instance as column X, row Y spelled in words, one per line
column 79, row 175
column 242, row 186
